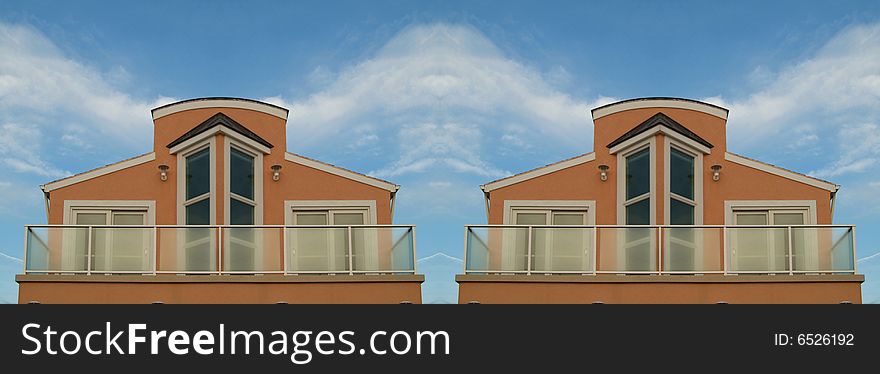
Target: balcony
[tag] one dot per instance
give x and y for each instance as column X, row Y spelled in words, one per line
column 220, row 250
column 660, row 250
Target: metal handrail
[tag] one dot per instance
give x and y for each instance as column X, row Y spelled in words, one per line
column 217, row 267
column 658, row 249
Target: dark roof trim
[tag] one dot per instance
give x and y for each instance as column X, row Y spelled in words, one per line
column 217, row 120
column 218, row 98
column 652, row 98
column 657, row 120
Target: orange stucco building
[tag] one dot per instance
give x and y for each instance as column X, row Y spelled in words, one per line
column 660, row 212
column 220, row 212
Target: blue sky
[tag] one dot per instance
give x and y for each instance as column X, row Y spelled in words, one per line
column 439, row 97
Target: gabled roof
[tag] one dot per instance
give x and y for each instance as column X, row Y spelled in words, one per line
column 782, row 172
column 342, row 172
column 537, row 172
column 220, row 119
column 94, row 173
column 660, row 119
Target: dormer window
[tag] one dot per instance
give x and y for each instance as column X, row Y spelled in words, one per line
column 197, row 183
column 638, row 187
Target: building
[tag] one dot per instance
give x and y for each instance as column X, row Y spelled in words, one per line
column 660, row 212
column 219, row 212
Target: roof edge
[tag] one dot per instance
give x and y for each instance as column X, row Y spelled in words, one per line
column 342, row 172
column 220, row 102
column 659, row 102
column 537, row 172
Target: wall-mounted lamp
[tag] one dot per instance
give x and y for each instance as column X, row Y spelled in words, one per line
column 716, row 172
column 603, row 172
column 276, row 172
column 163, row 172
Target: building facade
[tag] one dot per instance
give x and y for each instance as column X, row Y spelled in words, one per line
column 220, row 212
column 660, row 212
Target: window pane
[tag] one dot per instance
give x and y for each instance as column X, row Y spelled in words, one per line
column 199, row 213
column 241, row 177
column 638, row 174
column 639, row 213
column 681, row 170
column 317, row 218
column 198, row 177
column 573, row 218
column 680, row 213
column 348, row 218
column 531, row 219
column 240, row 213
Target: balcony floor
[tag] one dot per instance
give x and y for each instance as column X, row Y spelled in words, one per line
column 660, row 289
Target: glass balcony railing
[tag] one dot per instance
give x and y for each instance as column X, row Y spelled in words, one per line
column 515, row 249
column 388, row 249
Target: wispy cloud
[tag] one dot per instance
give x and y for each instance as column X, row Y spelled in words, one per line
column 444, row 93
column 830, row 100
column 868, row 258
column 440, row 255
column 11, row 258
column 43, row 89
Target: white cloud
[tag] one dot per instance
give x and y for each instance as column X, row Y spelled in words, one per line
column 842, row 76
column 39, row 83
column 21, row 148
column 443, row 91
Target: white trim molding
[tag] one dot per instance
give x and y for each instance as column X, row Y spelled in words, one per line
column 588, row 205
column 544, row 170
column 291, row 205
column 228, row 144
column 775, row 170
column 651, row 144
column 148, row 205
column 219, row 129
column 660, row 129
column 211, row 144
column 697, row 202
column 104, row 170
column 335, row 170
column 694, row 105
column 254, row 105
column 732, row 205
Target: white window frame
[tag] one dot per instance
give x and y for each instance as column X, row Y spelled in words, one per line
column 697, row 202
column 257, row 203
column 806, row 206
column 337, row 206
column 71, row 207
column 622, row 202
column 211, row 144
column 651, row 144
column 511, row 207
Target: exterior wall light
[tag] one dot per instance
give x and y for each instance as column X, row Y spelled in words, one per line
column 716, row 172
column 163, row 172
column 276, row 172
column 603, row 172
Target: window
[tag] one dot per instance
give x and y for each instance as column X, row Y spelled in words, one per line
column 681, row 188
column 555, row 248
column 241, row 188
column 638, row 187
column 113, row 249
column 327, row 249
column 197, row 182
column 757, row 249
column 635, row 253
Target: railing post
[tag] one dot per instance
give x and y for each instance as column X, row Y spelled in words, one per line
column 595, row 248
column 852, row 230
column 464, row 263
column 219, row 250
column 529, row 253
column 284, row 249
column 350, row 259
column 790, row 259
column 724, row 239
column 659, row 250
column 412, row 229
column 155, row 249
column 89, row 252
column 27, row 231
